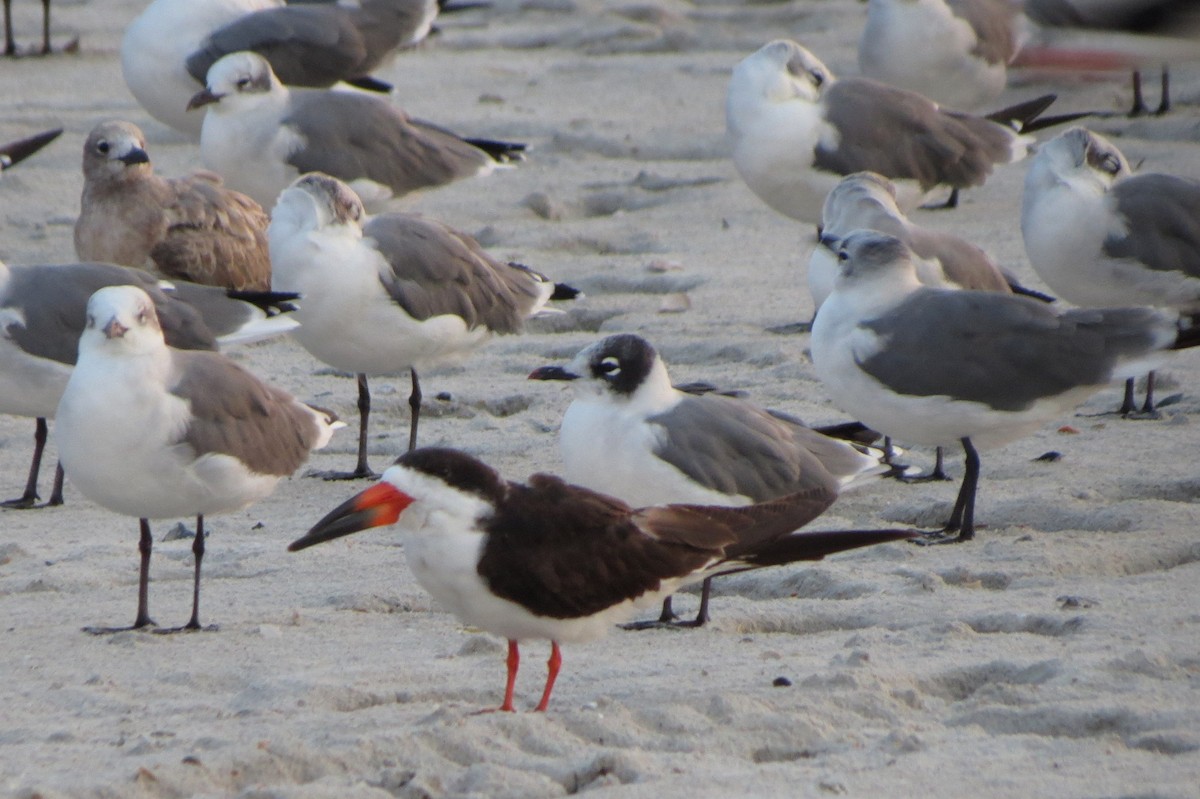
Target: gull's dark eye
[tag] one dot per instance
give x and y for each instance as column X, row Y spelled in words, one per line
column 103, row 147
column 242, row 83
column 843, row 255
column 818, row 77
column 91, row 321
column 1110, row 164
column 141, row 317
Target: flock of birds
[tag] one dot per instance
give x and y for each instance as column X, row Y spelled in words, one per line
column 918, row 334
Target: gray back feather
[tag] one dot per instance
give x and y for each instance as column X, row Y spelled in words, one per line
column 53, row 301
column 734, row 447
column 902, row 135
column 437, row 270
column 353, row 136
column 1001, row 350
column 1162, row 213
column 234, row 413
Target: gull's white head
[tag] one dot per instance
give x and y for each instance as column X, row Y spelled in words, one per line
column 868, row 256
column 113, row 150
column 121, row 319
column 779, row 72
column 1080, row 159
column 863, row 200
column 237, row 81
column 316, row 201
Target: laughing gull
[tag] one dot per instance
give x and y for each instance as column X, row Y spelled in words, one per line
column 15, row 152
column 955, row 52
column 937, row 367
column 393, row 293
column 547, row 559
column 867, row 201
column 260, row 136
column 153, row 432
column 1100, row 235
column 190, row 228
column 155, row 47
column 796, row 130
column 319, row 44
column 42, row 313
column 631, row 434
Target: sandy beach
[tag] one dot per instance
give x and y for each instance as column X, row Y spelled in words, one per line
column 1058, row 654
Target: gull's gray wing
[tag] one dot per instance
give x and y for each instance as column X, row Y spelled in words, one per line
column 992, row 21
column 353, row 136
column 1162, row 216
column 1001, row 350
column 902, row 135
column 235, row 413
column 434, row 270
column 734, row 447
column 307, row 46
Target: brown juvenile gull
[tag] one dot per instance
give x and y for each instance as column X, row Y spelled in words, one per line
column 154, row 432
column 391, row 293
column 190, row 228
column 550, row 560
column 42, row 312
column 260, row 136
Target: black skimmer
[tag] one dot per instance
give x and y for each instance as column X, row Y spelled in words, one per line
column 547, row 559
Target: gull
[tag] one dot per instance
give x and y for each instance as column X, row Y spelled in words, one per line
column 391, row 293
column 42, row 313
column 190, row 228
column 979, row 368
column 149, row 431
column 1098, row 234
column 551, row 560
column 867, row 201
column 319, row 44
column 796, row 130
column 955, row 52
column 631, row 434
column 155, row 47
column 13, row 153
column 260, row 136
